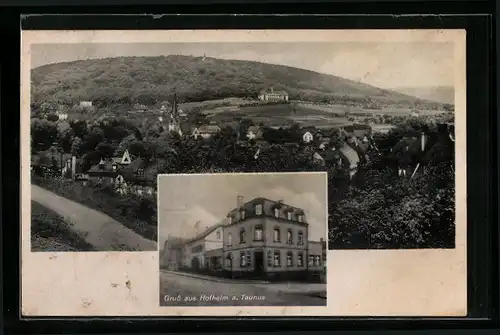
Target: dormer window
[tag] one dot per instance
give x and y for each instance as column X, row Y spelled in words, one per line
column 258, row 209
column 276, row 213
column 229, row 219
column 289, row 215
column 300, row 218
column 242, row 214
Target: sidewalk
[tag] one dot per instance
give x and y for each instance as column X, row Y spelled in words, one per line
column 310, row 289
column 216, row 279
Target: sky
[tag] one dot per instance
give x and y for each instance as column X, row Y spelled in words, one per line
column 185, row 199
column 381, row 64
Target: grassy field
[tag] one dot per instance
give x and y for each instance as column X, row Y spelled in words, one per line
column 278, row 115
column 51, row 232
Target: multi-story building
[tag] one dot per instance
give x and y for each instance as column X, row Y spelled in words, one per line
column 194, row 251
column 261, row 238
column 270, row 95
column 269, row 239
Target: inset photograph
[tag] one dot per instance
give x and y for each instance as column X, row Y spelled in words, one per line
column 243, row 239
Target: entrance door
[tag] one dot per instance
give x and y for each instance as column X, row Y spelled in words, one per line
column 259, row 262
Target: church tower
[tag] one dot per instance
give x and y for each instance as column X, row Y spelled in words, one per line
column 174, row 122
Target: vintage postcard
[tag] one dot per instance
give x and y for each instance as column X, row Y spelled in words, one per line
column 243, row 239
column 232, row 172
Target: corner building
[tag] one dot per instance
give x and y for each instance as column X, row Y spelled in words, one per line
column 270, row 240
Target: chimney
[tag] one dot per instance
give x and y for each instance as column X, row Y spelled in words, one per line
column 423, row 141
column 73, row 167
column 281, row 201
column 239, row 201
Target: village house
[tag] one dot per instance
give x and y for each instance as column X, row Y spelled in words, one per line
column 86, row 104
column 254, row 133
column 106, row 171
column 307, row 137
column 194, row 251
column 270, row 95
column 205, row 131
column 171, row 257
column 344, row 156
column 139, row 178
column 413, row 152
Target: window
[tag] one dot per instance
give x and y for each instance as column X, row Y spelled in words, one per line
column 277, row 259
column 277, row 234
column 276, row 213
column 229, row 261
column 289, row 259
column 242, row 236
column 242, row 215
column 243, row 259
column 300, row 217
column 249, row 258
column 229, row 239
column 289, row 236
column 258, row 233
column 140, row 172
column 311, row 260
column 289, row 215
column 217, row 235
column 197, row 249
column 258, row 209
column 300, row 259
column 317, row 260
column 114, row 167
column 300, row 238
column 229, row 219
column 269, row 258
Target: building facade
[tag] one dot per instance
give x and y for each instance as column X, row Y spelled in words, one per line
column 260, row 239
column 270, row 95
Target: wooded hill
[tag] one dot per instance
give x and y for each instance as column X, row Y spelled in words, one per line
column 150, row 80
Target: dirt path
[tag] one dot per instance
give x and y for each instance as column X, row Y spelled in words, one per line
column 98, row 229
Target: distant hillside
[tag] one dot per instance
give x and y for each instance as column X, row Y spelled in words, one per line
column 443, row 94
column 148, row 80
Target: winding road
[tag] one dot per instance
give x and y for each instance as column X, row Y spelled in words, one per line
column 98, row 229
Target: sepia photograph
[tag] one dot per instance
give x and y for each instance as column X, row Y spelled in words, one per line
column 220, row 169
column 106, row 119
column 253, row 239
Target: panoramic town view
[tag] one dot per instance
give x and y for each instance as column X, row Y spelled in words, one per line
column 260, row 242
column 107, row 119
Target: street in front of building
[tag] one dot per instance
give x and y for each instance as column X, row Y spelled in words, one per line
column 182, row 290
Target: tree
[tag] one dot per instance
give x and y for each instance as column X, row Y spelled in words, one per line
column 43, row 134
column 137, row 148
column 105, row 149
column 125, row 144
column 52, row 117
column 76, row 146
